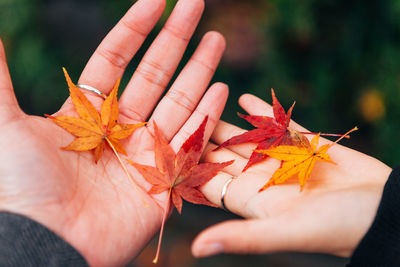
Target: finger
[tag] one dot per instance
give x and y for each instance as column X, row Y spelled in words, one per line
column 110, row 59
column 224, row 131
column 241, row 194
column 211, row 105
column 212, row 190
column 8, row 103
column 160, row 61
column 222, row 155
column 190, row 85
column 298, row 229
column 250, row 236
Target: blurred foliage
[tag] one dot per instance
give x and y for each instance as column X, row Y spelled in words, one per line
column 326, row 55
column 339, row 59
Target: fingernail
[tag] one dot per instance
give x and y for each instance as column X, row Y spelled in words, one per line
column 211, row 249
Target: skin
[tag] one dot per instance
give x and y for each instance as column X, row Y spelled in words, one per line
column 96, row 208
column 109, row 218
column 331, row 215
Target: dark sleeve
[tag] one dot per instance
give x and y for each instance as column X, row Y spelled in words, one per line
column 381, row 245
column 24, row 242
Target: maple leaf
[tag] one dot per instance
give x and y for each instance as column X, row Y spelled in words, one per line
column 298, row 160
column 270, row 132
column 179, row 174
column 93, row 129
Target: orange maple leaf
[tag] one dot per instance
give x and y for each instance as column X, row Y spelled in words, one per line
column 298, row 160
column 93, row 129
column 179, row 174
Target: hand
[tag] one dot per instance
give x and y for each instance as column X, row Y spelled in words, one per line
column 331, row 215
column 95, row 207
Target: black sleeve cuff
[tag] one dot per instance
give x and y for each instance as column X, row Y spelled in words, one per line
column 381, row 245
column 24, row 242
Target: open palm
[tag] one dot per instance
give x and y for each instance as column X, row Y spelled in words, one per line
column 331, row 215
column 96, row 207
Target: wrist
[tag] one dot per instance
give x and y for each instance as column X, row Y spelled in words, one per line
column 25, row 242
column 381, row 242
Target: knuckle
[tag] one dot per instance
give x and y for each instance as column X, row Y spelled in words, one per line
column 218, row 36
column 176, row 31
column 114, row 58
column 181, row 99
column 132, row 114
column 153, row 73
column 202, row 63
column 134, row 28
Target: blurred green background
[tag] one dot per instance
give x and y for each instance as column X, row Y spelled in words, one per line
column 339, row 59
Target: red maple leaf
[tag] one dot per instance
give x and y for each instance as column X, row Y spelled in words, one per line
column 270, row 132
column 179, row 174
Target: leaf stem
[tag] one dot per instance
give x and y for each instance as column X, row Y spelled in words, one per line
column 346, row 134
column 327, row 134
column 123, row 166
column 162, row 226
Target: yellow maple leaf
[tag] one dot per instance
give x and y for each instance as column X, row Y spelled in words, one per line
column 94, row 129
column 298, row 160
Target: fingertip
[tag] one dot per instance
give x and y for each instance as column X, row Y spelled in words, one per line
column 191, row 10
column 216, row 38
column 195, row 247
column 156, row 7
column 221, row 89
column 145, row 11
column 202, row 248
column 218, row 239
column 246, row 98
column 236, row 236
column 214, row 100
column 254, row 105
column 200, row 4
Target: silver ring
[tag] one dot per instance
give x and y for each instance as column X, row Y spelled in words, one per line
column 223, row 193
column 90, row 88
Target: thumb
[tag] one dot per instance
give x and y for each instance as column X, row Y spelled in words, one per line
column 251, row 236
column 8, row 103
